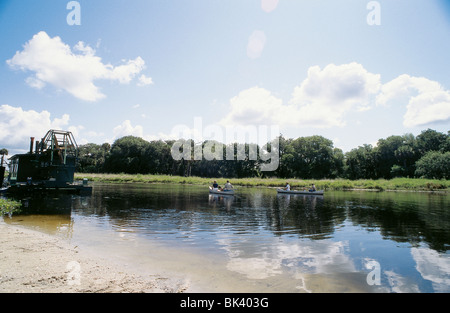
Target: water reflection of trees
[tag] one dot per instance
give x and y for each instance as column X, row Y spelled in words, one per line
column 404, row 217
column 154, row 209
column 401, row 217
column 307, row 216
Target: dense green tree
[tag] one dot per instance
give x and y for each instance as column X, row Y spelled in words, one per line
column 431, row 140
column 406, row 156
column 434, row 164
column 337, row 169
column 286, row 155
column 127, row 155
column 395, row 156
column 385, row 155
column 91, row 157
column 360, row 163
column 312, row 157
column 158, row 157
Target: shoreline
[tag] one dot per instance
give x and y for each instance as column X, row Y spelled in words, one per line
column 34, row 262
column 396, row 184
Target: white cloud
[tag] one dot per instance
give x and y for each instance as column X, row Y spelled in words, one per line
column 325, row 96
column 126, row 129
column 321, row 101
column 256, row 44
column 35, row 83
column 87, row 50
column 433, row 267
column 404, row 86
column 400, row 284
column 84, row 136
column 125, row 73
column 53, row 62
column 306, row 262
column 428, row 101
column 144, row 80
column 18, row 125
column 429, row 108
column 255, row 268
column 92, row 133
column 256, row 106
column 269, row 5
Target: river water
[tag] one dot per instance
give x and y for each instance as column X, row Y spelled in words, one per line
column 259, row 241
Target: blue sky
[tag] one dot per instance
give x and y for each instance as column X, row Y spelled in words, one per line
column 144, row 67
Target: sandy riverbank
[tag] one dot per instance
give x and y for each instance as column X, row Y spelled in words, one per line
column 34, row 262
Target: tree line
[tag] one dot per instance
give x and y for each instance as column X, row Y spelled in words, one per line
column 315, row 157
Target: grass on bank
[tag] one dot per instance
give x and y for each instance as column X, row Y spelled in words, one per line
column 8, row 207
column 417, row 184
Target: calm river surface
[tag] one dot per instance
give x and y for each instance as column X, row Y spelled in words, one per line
column 258, row 241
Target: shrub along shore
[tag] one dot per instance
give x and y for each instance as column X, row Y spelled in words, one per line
column 396, row 184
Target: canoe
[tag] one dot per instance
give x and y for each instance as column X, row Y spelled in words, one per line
column 300, row 192
column 219, row 192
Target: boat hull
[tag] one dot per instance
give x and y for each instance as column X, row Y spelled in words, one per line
column 218, row 192
column 300, row 192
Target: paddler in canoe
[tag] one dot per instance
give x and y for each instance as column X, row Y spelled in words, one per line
column 228, row 188
column 312, row 190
